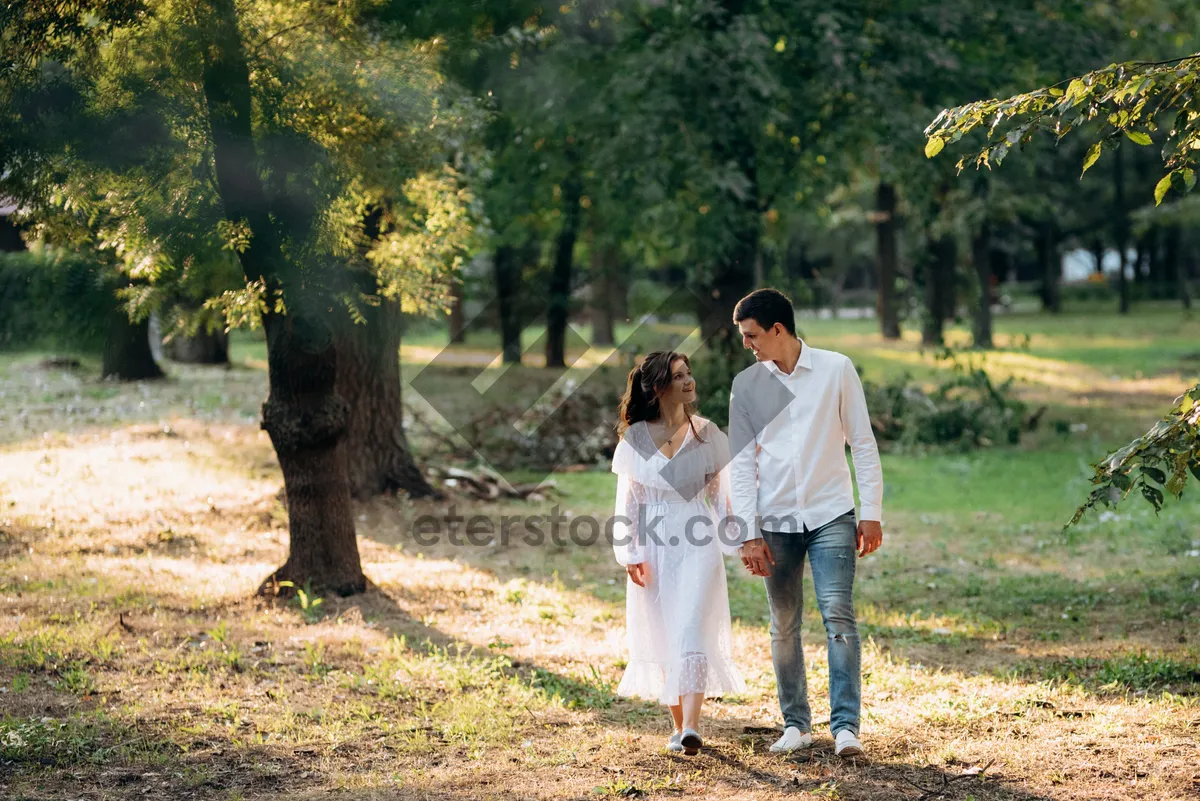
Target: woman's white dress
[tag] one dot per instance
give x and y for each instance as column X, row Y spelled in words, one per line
column 677, row 626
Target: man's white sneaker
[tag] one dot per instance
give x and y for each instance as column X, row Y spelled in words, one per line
column 846, row 744
column 792, row 740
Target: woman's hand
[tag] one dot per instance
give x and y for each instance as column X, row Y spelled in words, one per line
column 756, row 556
column 638, row 573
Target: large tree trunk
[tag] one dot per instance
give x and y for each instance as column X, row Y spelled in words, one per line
column 458, row 315
column 733, row 280
column 303, row 414
column 559, row 306
column 203, row 347
column 606, row 284
column 10, row 235
column 306, row 421
column 939, row 289
column 1049, row 267
column 887, row 306
column 378, row 459
column 1173, row 264
column 1121, row 227
column 127, row 354
column 506, row 265
column 732, row 275
column 981, row 255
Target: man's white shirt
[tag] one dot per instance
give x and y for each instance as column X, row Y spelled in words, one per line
column 788, row 435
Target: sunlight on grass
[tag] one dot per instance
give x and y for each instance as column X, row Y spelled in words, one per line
column 137, row 521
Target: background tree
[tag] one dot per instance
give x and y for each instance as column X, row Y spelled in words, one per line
column 253, row 162
column 1135, row 101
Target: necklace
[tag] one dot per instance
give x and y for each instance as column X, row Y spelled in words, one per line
column 674, row 432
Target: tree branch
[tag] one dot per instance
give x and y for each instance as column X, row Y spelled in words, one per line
column 288, row 29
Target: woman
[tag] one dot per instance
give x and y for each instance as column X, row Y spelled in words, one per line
column 670, row 528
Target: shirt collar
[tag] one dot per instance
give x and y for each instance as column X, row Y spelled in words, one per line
column 804, row 361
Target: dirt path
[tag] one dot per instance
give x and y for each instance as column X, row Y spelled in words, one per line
column 135, row 663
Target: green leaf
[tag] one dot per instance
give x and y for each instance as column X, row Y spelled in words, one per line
column 1075, row 91
column 1153, row 472
column 934, row 146
column 1189, row 178
column 1153, row 495
column 1140, row 137
column 1160, row 191
column 1092, row 154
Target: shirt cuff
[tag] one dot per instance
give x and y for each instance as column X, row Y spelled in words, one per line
column 871, row 512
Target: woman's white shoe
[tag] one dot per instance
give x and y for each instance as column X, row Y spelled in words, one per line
column 691, row 742
column 792, row 740
column 673, row 744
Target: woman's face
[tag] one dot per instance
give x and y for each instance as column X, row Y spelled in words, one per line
column 682, row 388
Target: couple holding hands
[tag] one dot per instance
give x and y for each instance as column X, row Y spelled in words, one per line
column 778, row 489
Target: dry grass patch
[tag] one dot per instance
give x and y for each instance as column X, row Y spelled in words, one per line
column 135, row 663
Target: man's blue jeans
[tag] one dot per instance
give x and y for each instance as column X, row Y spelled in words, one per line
column 832, row 550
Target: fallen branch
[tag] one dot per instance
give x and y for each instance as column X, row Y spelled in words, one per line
column 928, row 793
column 488, row 486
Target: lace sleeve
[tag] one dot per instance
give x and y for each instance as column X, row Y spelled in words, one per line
column 627, row 545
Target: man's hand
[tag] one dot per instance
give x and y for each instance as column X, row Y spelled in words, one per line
column 756, row 556
column 638, row 573
column 870, row 537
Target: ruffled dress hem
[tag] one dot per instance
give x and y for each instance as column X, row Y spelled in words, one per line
column 650, row 681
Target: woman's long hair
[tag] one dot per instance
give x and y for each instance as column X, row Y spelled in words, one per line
column 646, row 382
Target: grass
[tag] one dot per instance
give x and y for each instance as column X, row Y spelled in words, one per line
column 136, row 521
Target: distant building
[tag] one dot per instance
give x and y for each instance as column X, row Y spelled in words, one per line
column 1080, row 264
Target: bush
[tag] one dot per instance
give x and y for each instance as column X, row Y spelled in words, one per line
column 1107, row 292
column 54, row 298
column 965, row 412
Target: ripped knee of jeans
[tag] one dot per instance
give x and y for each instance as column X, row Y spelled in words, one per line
column 842, row 633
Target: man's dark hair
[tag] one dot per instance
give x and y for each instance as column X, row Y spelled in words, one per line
column 766, row 307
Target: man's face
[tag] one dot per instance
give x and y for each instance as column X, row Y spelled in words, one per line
column 766, row 343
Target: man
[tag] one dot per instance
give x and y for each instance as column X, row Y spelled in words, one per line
column 791, row 416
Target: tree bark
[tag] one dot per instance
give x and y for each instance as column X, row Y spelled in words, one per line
column 1173, row 264
column 559, row 302
column 939, row 289
column 203, row 347
column 1098, row 255
column 127, row 354
column 733, row 281
column 378, row 458
column 303, row 414
column 981, row 255
column 887, row 306
column 458, row 318
column 1121, row 227
column 10, row 236
column 1049, row 267
column 306, row 421
column 605, row 286
column 506, row 266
